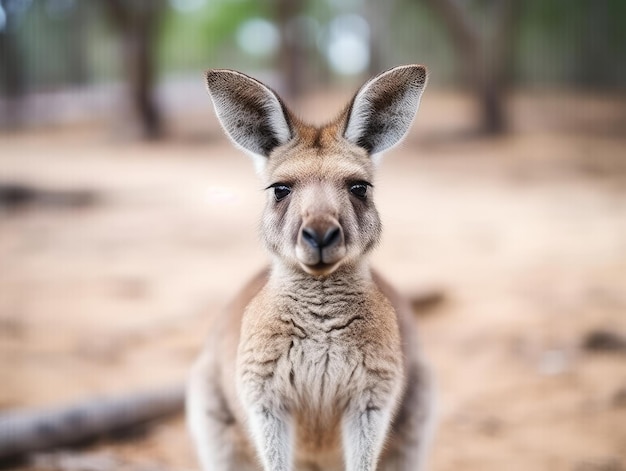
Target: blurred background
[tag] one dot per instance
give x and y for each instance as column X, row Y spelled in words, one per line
column 128, row 221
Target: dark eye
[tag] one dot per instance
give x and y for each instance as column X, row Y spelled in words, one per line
column 281, row 191
column 359, row 189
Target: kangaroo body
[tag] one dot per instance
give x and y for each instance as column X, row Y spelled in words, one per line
column 315, row 365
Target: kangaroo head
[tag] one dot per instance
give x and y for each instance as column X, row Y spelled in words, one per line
column 320, row 211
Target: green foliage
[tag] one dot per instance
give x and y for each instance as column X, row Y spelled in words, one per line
column 193, row 38
column 43, row 64
column 576, row 42
column 573, row 41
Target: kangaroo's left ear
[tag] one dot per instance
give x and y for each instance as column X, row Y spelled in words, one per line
column 383, row 109
column 252, row 115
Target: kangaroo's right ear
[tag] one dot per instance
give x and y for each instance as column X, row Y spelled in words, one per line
column 252, row 115
column 382, row 111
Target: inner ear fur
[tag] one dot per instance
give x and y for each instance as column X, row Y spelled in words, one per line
column 382, row 111
column 252, row 115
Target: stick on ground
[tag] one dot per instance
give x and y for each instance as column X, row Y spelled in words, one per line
column 27, row 431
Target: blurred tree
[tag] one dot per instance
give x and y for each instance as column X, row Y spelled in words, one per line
column 75, row 43
column 12, row 67
column 379, row 18
column 292, row 55
column 598, row 57
column 485, row 53
column 137, row 22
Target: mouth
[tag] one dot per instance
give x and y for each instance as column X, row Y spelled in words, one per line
column 320, row 268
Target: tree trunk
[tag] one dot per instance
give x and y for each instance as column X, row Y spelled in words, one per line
column 594, row 61
column 12, row 78
column 138, row 23
column 492, row 110
column 486, row 58
column 139, row 45
column 379, row 17
column 292, row 56
column 76, row 44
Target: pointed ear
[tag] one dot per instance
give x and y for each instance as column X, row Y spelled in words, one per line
column 252, row 115
column 383, row 109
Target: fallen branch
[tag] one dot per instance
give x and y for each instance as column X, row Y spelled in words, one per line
column 90, row 461
column 27, row 431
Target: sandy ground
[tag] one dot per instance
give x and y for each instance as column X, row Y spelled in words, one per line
column 524, row 235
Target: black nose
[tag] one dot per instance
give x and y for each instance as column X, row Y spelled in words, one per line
column 318, row 241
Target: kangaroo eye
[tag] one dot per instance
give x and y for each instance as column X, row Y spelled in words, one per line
column 359, row 189
column 281, row 191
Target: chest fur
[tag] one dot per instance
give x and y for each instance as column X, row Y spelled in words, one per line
column 314, row 354
column 313, row 351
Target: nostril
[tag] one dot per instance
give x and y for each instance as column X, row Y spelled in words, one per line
column 331, row 237
column 314, row 238
column 311, row 237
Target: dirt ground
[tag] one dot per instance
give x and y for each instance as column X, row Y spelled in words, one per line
column 109, row 276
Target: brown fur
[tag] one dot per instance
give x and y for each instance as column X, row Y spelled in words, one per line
column 315, row 364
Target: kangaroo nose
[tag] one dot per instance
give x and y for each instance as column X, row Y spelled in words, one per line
column 319, row 239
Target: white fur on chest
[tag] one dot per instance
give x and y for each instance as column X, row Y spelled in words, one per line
column 309, row 351
column 325, row 355
column 322, row 373
column 314, row 356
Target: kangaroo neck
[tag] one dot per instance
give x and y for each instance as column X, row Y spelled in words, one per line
column 322, row 296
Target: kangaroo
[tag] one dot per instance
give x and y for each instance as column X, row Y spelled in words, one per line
column 315, row 365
